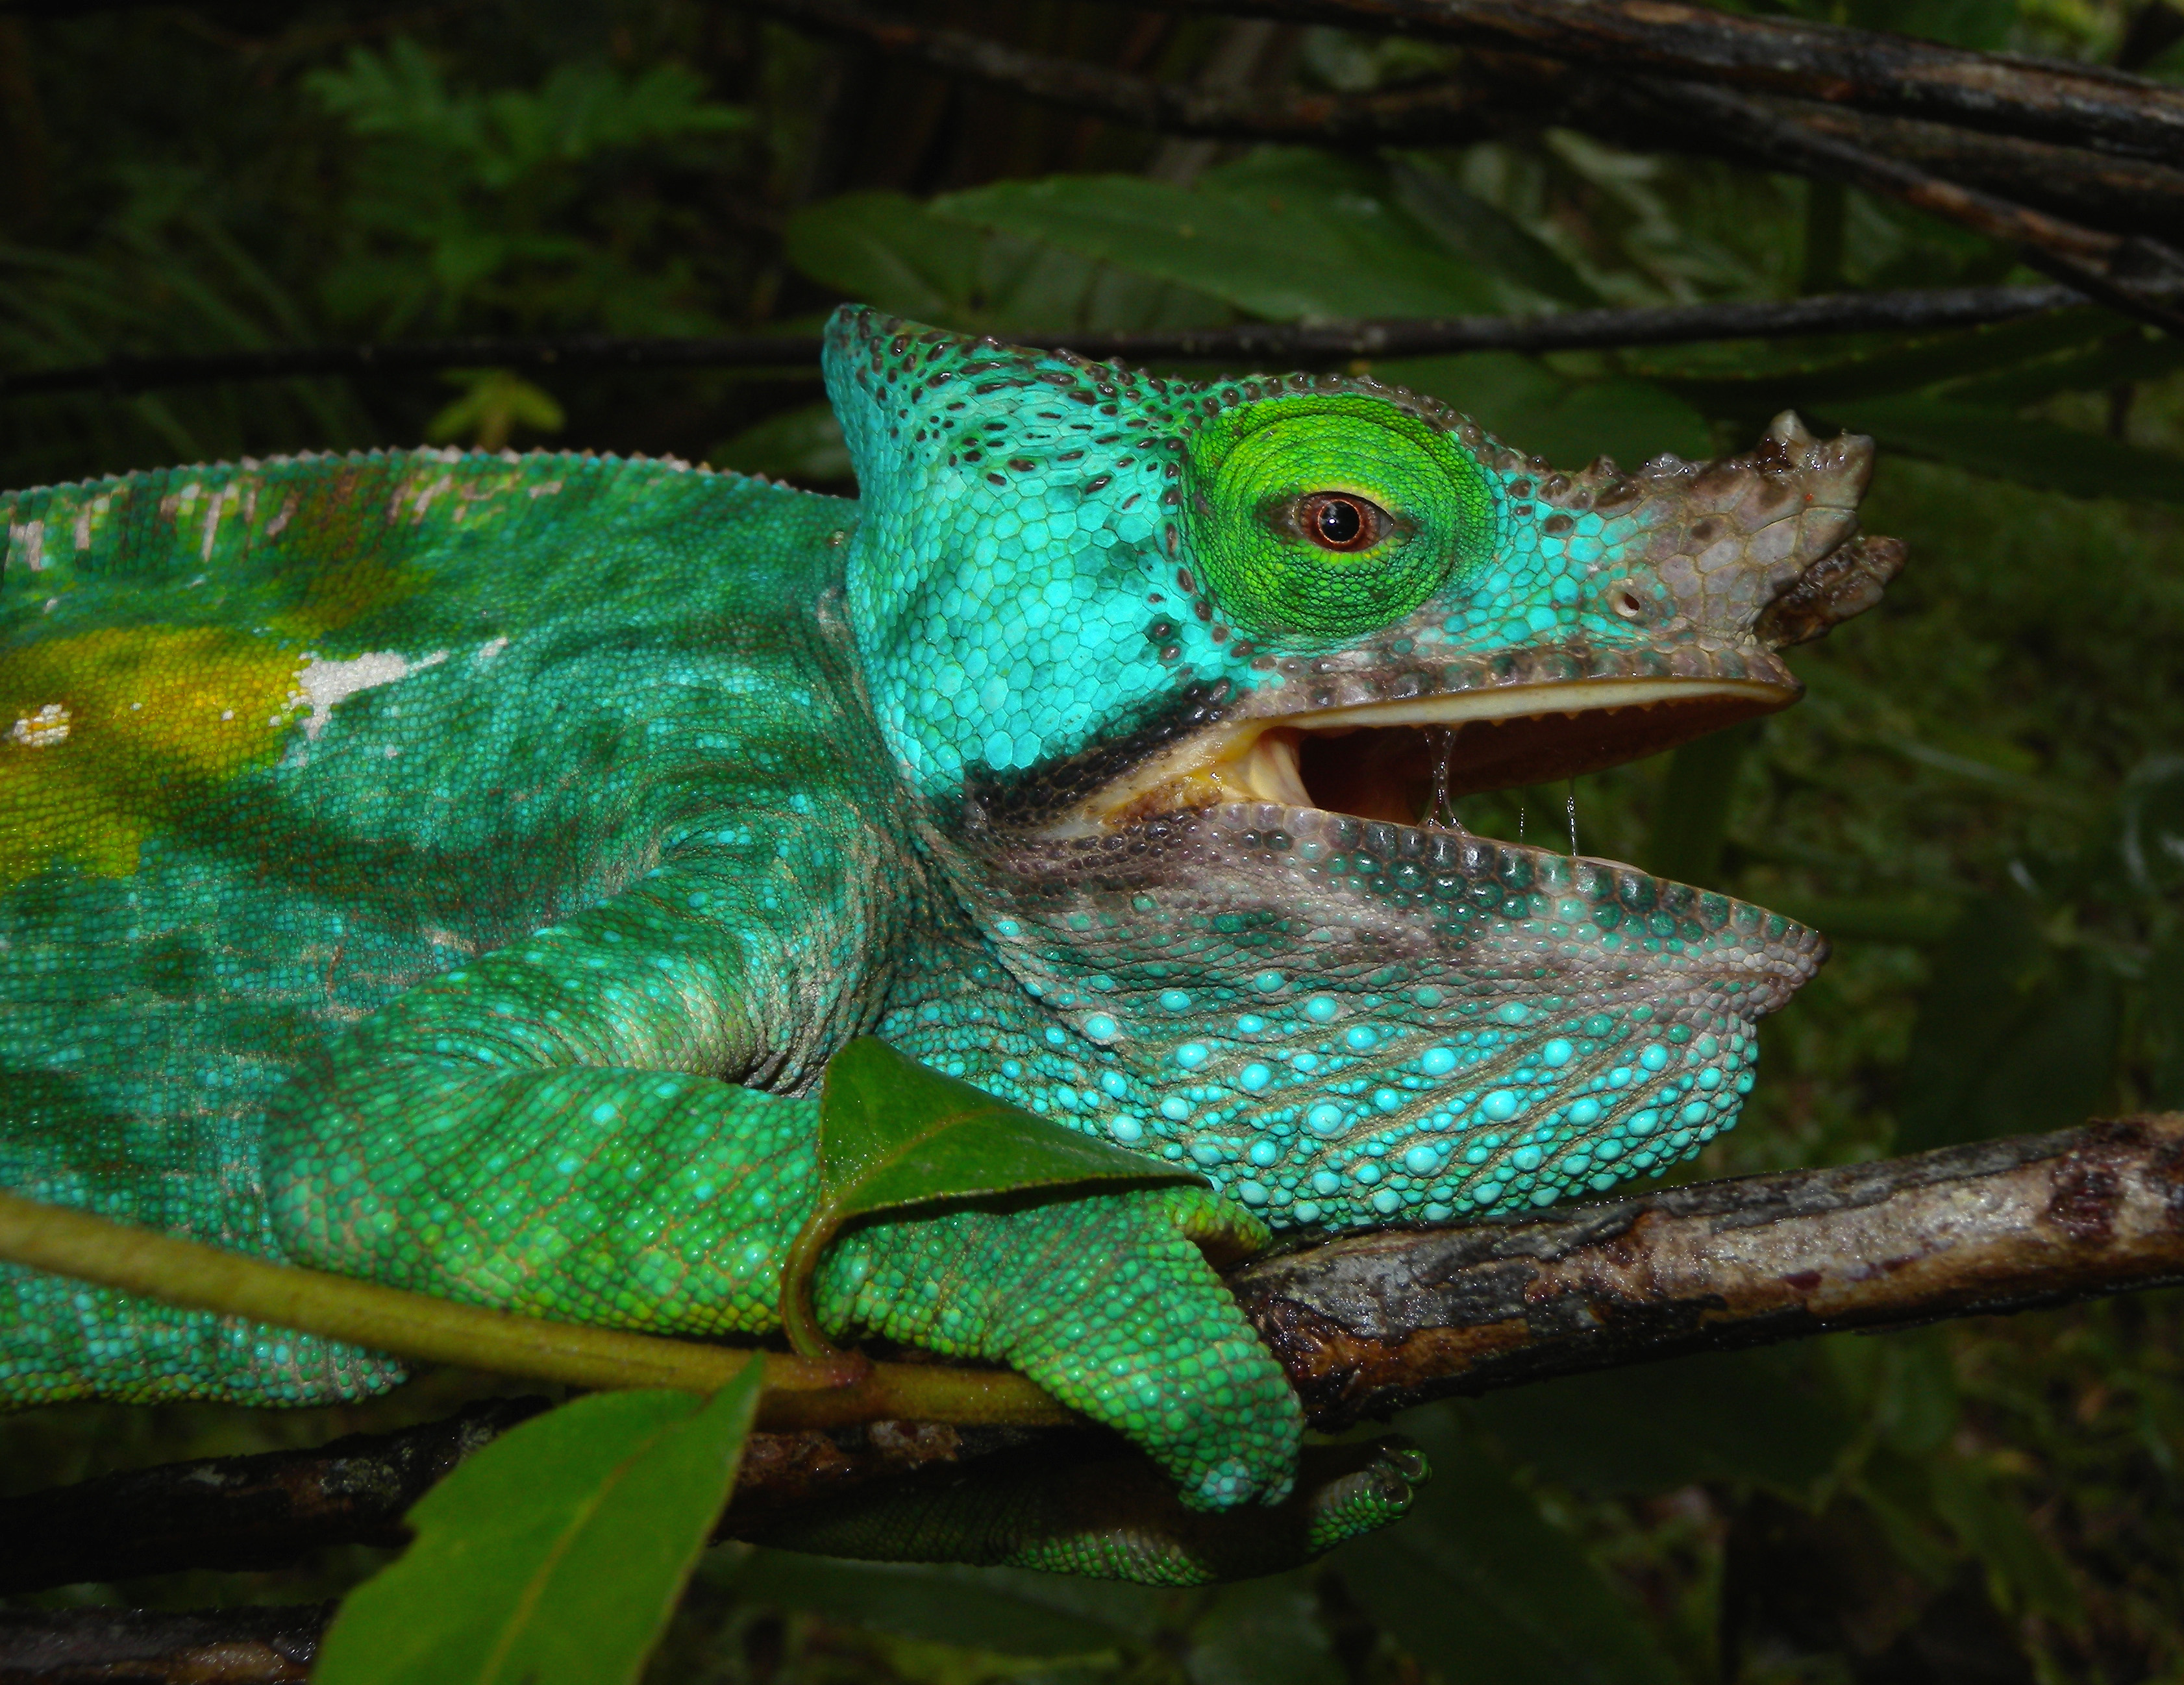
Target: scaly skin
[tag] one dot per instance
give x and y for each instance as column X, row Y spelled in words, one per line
column 456, row 869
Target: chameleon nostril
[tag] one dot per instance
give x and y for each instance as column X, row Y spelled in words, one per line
column 1625, row 602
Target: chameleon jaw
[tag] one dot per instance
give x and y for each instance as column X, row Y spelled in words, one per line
column 1379, row 760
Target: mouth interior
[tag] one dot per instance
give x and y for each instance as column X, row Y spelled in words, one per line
column 1406, row 761
column 1405, row 772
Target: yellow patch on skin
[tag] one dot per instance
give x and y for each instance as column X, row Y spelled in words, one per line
column 120, row 726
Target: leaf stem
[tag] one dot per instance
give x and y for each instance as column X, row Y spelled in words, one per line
column 800, row 1393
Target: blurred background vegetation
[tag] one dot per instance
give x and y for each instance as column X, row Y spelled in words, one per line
column 1982, row 800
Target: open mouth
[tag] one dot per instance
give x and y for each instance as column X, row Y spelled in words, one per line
column 1406, row 761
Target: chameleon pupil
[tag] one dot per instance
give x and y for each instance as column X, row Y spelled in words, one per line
column 1338, row 523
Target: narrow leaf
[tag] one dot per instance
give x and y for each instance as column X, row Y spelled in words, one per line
column 554, row 1555
column 891, row 251
column 1011, row 1611
column 1478, row 1586
column 895, row 1134
column 2007, row 447
column 1568, row 421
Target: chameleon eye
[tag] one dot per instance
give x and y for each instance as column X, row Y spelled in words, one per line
column 1340, row 521
column 1322, row 516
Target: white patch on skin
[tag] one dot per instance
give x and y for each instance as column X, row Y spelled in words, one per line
column 425, row 497
column 214, row 511
column 287, row 509
column 30, row 537
column 488, row 650
column 323, row 683
column 42, row 730
column 545, row 488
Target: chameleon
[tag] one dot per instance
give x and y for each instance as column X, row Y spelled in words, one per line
column 456, row 869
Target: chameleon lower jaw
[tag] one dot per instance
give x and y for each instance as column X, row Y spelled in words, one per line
column 1397, row 760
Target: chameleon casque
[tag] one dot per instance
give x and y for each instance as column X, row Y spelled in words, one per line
column 455, row 870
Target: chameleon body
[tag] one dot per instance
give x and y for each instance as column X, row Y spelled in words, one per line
column 456, row 869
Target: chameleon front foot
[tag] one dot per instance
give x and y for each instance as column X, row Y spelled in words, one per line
column 1108, row 1515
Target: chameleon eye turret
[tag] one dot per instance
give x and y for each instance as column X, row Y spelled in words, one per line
column 1319, row 517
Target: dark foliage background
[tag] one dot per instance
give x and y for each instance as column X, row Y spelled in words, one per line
column 1982, row 800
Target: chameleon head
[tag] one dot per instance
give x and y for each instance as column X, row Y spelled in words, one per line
column 1185, row 677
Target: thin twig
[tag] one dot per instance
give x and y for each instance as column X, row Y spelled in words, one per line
column 2084, row 105
column 2113, row 268
column 1497, row 93
column 2106, row 266
column 1364, row 1327
column 1444, row 113
column 1920, row 309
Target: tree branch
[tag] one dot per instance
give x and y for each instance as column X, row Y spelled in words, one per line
column 2082, row 105
column 1371, row 1324
column 259, row 1644
column 1445, row 112
column 1638, row 110
column 1364, row 1327
column 1917, row 309
column 2115, row 269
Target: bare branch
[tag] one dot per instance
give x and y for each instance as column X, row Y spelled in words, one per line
column 1919, row 309
column 1365, row 1326
column 2113, row 268
column 1505, row 92
column 1441, row 112
column 1373, row 1324
column 237, row 1513
column 266, row 1644
column 2084, row 105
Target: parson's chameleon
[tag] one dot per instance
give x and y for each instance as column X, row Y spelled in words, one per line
column 456, row 869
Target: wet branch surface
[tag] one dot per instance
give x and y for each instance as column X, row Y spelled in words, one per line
column 2070, row 103
column 1365, row 1326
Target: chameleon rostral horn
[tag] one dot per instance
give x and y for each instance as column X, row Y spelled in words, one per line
column 456, row 870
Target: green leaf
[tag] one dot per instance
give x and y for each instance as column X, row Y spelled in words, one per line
column 1763, row 1416
column 556, row 1555
column 496, row 403
column 888, row 250
column 802, row 445
column 1742, row 379
column 2028, row 1576
column 884, row 249
column 1478, row 1586
column 2005, row 446
column 2152, row 811
column 1284, row 235
column 2126, row 356
column 1011, row 1611
column 1486, row 236
column 1690, row 815
column 2012, row 1036
column 893, row 1134
column 1263, row 1632
column 1569, row 422
column 2164, row 1026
